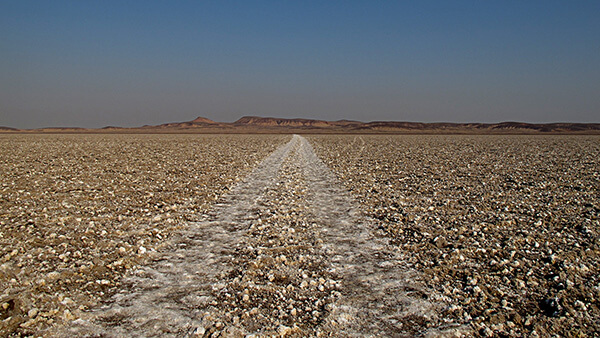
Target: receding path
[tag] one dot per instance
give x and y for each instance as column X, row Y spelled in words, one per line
column 286, row 253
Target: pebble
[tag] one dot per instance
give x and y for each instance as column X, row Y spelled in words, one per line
column 83, row 200
column 497, row 222
column 511, row 209
column 32, row 313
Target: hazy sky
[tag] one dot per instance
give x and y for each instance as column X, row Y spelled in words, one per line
column 129, row 63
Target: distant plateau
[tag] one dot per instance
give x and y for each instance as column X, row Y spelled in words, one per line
column 263, row 125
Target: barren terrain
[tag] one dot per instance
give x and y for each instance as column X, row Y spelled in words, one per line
column 183, row 235
column 79, row 211
column 506, row 226
column 286, row 253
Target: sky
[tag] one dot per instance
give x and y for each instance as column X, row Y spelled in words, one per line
column 129, row 63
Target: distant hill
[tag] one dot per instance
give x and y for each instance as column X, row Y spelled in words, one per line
column 294, row 123
column 199, row 122
column 257, row 124
column 280, row 122
column 341, row 126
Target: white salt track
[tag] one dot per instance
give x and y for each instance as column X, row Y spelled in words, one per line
column 172, row 296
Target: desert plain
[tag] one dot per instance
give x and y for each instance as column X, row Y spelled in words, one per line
column 314, row 235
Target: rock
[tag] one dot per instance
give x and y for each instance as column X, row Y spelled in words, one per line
column 284, row 330
column 440, row 242
column 552, row 307
column 32, row 313
column 486, row 332
column 199, row 332
column 68, row 315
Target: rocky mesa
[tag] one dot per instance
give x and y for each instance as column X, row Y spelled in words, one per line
column 259, row 125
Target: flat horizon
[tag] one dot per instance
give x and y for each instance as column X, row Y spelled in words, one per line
column 127, row 64
column 292, row 118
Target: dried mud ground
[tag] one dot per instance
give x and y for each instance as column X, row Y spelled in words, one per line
column 77, row 212
column 179, row 235
column 506, row 226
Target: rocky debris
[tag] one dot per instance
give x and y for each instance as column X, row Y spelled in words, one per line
column 79, row 211
column 284, row 254
column 279, row 284
column 507, row 227
column 306, row 267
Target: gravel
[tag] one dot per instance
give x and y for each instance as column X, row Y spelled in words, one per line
column 484, row 235
column 285, row 253
column 79, row 211
column 506, row 226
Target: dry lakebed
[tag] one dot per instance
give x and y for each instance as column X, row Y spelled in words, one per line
column 284, row 235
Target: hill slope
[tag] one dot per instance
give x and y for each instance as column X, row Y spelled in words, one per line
column 257, row 124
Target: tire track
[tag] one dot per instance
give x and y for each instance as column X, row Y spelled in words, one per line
column 378, row 296
column 287, row 253
column 166, row 298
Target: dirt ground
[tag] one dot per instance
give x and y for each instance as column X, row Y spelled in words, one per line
column 161, row 235
column 506, row 226
column 79, row 211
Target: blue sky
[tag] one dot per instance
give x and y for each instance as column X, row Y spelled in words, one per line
column 129, row 63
